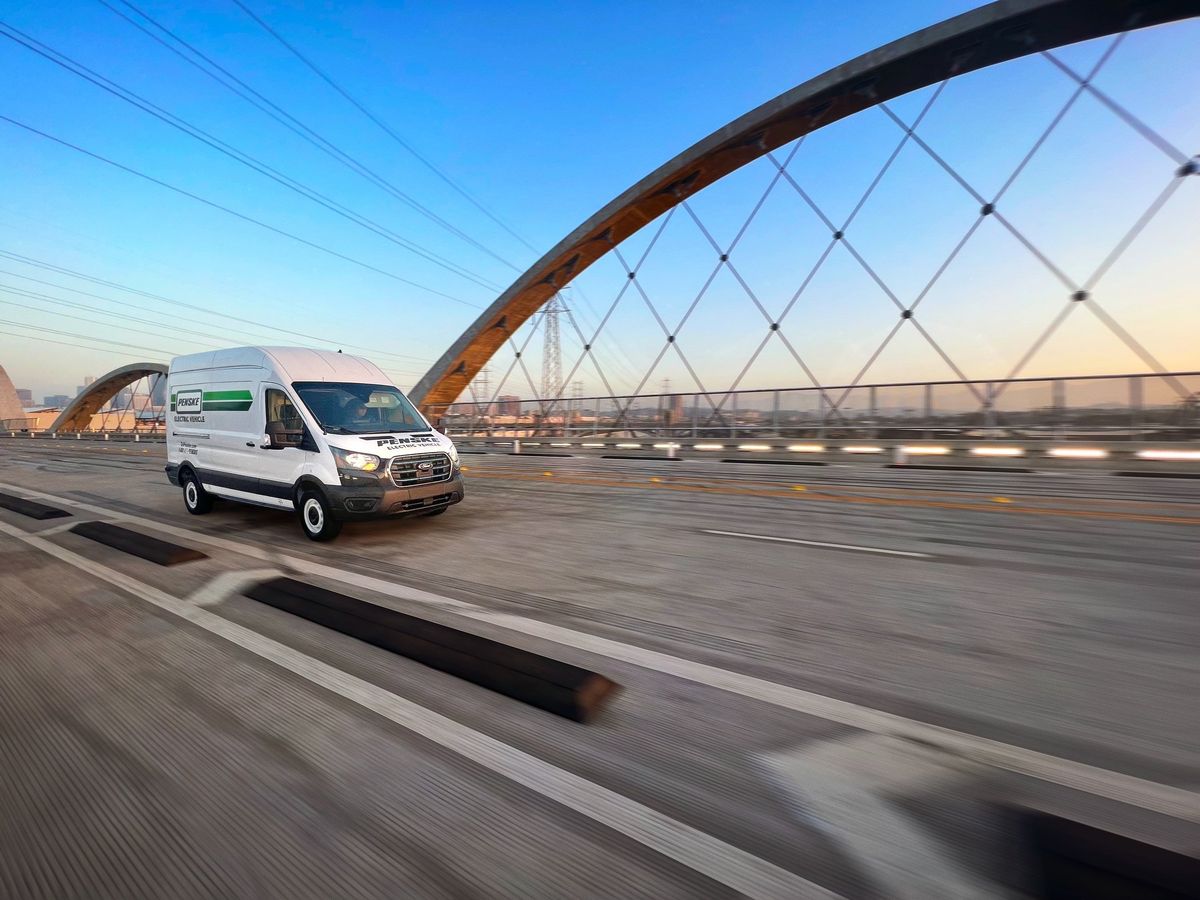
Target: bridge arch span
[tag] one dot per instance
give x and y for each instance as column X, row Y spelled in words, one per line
column 77, row 416
column 991, row 34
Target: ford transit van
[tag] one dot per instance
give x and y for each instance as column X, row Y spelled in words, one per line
column 322, row 433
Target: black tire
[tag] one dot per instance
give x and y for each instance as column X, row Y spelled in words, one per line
column 196, row 499
column 316, row 516
column 435, row 512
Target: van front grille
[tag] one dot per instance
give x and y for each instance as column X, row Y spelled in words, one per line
column 425, row 468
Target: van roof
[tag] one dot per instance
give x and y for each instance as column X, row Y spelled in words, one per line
column 287, row 363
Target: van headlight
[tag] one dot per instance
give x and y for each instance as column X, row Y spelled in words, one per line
column 452, row 452
column 358, row 462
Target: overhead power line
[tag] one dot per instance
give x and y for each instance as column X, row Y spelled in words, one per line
column 382, row 125
column 233, row 83
column 86, row 337
column 122, row 93
column 269, row 108
column 62, row 270
column 224, row 338
column 172, row 329
column 41, row 340
column 153, row 334
column 233, row 212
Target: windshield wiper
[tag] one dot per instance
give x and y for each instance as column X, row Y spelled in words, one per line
column 337, row 429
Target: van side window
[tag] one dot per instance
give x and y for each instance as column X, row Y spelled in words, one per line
column 281, row 412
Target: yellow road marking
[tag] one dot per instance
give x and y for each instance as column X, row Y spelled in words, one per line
column 852, row 489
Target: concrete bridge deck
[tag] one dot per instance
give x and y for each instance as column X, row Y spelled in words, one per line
column 161, row 735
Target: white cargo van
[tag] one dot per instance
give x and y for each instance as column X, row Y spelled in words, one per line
column 322, row 433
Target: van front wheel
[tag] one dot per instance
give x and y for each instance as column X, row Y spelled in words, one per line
column 197, row 500
column 316, row 518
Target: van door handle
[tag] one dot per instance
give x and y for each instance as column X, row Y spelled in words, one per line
column 249, row 443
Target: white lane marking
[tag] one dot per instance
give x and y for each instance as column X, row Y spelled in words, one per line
column 1171, row 801
column 848, row 787
column 784, row 540
column 59, row 528
column 227, row 584
column 701, row 852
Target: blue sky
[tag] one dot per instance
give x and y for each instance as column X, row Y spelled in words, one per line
column 544, row 112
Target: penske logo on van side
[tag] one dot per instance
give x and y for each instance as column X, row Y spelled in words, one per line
column 191, row 402
column 187, row 402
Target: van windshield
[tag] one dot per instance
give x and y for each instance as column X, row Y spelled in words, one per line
column 349, row 408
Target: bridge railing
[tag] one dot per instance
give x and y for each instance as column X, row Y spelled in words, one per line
column 1108, row 407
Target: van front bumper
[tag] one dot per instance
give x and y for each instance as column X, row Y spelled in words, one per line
column 359, row 497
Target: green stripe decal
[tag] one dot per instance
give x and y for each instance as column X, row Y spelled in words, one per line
column 227, row 401
column 228, row 395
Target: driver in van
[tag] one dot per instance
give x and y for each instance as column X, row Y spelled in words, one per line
column 357, row 413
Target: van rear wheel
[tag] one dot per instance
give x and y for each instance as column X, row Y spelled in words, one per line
column 197, row 500
column 316, row 518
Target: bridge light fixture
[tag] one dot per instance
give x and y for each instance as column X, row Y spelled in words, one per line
column 859, row 448
column 997, row 451
column 1174, row 455
column 708, row 446
column 925, row 450
column 806, row 448
column 755, row 448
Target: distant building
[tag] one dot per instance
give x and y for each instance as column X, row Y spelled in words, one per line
column 57, row 400
column 673, row 407
column 508, row 405
column 123, row 399
column 25, row 395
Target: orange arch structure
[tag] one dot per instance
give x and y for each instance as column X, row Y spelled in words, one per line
column 991, row 34
column 78, row 413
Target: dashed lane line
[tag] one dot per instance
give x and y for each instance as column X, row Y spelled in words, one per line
column 823, row 544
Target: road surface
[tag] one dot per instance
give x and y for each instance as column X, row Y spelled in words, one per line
column 163, row 735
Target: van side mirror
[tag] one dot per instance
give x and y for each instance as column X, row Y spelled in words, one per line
column 278, row 437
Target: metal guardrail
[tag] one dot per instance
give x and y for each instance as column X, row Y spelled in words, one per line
column 147, row 437
column 1102, row 407
column 913, row 452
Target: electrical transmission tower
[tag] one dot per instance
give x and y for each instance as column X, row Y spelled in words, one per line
column 552, row 350
column 481, row 390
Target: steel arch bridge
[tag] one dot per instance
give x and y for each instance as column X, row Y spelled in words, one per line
column 79, row 414
column 996, row 33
